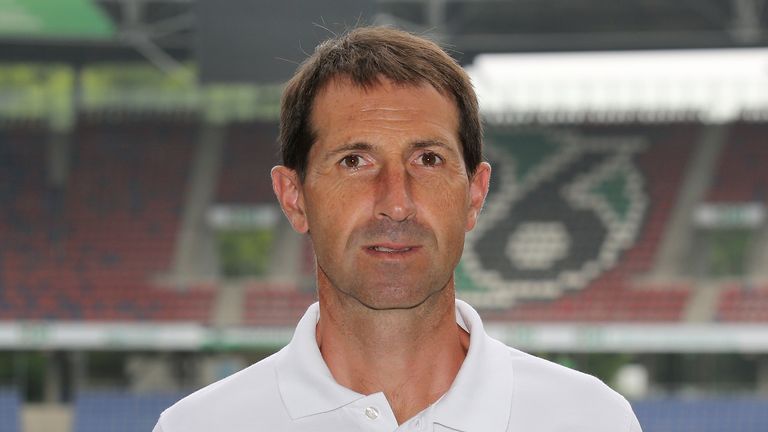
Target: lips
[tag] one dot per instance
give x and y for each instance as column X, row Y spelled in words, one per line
column 391, row 249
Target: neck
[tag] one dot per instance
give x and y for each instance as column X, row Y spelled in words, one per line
column 411, row 355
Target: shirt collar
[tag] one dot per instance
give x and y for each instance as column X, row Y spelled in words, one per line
column 306, row 384
column 479, row 399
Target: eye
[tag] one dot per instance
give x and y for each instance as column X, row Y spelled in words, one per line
column 352, row 161
column 430, row 159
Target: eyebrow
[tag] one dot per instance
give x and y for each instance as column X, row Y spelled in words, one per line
column 355, row 146
column 364, row 146
column 432, row 143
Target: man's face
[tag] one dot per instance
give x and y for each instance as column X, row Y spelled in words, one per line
column 386, row 198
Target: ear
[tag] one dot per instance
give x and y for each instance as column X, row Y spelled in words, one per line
column 478, row 189
column 288, row 189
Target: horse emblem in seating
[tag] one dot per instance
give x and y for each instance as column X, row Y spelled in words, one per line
column 561, row 210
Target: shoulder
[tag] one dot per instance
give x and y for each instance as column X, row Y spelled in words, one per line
column 546, row 392
column 230, row 404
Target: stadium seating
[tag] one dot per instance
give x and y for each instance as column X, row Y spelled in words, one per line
column 616, row 293
column 740, row 178
column 702, row 415
column 10, row 408
column 742, row 302
column 275, row 305
column 250, row 151
column 119, row 411
column 96, row 248
column 92, row 249
column 741, row 175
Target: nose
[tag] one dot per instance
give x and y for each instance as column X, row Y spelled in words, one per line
column 394, row 199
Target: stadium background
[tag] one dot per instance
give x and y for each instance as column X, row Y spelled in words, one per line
column 142, row 255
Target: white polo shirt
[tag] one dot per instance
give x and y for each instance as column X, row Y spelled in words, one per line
column 497, row 389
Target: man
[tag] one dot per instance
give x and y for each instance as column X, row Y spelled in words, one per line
column 381, row 143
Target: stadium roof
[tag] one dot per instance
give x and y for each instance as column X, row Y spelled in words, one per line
column 165, row 30
column 711, row 85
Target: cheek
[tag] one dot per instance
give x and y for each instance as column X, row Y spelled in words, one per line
column 333, row 211
column 446, row 203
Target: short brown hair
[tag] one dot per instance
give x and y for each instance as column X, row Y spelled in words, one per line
column 364, row 55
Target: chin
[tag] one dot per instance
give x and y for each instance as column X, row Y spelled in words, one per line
column 394, row 298
column 390, row 305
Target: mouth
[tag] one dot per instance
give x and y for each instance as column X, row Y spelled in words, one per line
column 391, row 250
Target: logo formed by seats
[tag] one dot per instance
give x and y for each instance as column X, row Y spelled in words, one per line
column 561, row 210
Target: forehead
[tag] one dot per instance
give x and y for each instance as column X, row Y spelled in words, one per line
column 342, row 105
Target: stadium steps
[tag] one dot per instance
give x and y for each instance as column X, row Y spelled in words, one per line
column 59, row 160
column 756, row 267
column 228, row 306
column 758, row 256
column 702, row 307
column 287, row 255
column 192, row 260
column 676, row 241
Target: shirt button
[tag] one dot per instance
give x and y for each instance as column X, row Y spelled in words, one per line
column 417, row 424
column 372, row 413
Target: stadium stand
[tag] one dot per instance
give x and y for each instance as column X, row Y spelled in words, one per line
column 10, row 407
column 275, row 305
column 119, row 411
column 742, row 302
column 250, row 151
column 91, row 250
column 614, row 294
column 107, row 242
column 741, row 175
column 702, row 415
column 741, row 178
column 244, row 177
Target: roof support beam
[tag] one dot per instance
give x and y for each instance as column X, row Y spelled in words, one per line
column 746, row 28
